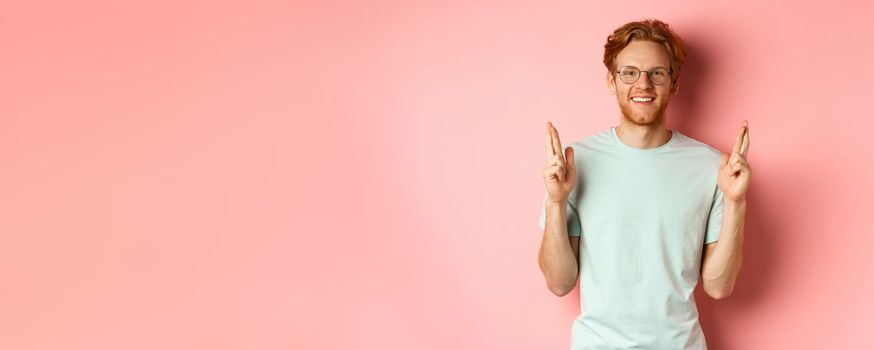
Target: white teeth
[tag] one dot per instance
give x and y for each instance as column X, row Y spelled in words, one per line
column 641, row 99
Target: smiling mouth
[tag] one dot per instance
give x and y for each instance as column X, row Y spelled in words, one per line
column 645, row 101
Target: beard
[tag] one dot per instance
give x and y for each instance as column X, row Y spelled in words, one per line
column 651, row 117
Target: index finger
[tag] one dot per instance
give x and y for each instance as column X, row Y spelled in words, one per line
column 549, row 150
column 745, row 146
column 740, row 139
column 556, row 142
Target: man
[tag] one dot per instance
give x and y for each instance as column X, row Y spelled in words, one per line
column 640, row 210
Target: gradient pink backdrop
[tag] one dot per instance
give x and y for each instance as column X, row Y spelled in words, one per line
column 270, row 175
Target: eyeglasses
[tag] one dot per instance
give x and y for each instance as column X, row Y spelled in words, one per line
column 630, row 74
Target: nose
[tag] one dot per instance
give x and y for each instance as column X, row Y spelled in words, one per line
column 644, row 81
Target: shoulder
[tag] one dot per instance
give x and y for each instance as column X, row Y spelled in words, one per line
column 697, row 149
column 594, row 141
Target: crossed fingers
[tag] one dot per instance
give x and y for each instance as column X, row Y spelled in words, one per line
column 738, row 157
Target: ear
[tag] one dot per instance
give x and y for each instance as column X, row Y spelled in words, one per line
column 611, row 83
column 675, row 86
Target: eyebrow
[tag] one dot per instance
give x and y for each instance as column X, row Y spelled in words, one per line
column 642, row 69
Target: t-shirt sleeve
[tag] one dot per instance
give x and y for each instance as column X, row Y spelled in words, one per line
column 714, row 222
column 573, row 218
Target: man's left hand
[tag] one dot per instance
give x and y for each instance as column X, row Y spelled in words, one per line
column 734, row 171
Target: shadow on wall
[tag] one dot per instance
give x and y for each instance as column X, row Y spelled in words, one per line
column 759, row 255
column 684, row 111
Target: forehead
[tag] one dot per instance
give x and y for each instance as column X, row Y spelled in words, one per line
column 643, row 55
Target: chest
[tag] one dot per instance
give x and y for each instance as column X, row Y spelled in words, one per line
column 666, row 193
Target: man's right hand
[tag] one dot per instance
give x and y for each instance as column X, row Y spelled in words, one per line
column 560, row 171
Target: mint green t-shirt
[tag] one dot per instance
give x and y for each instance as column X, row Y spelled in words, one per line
column 643, row 217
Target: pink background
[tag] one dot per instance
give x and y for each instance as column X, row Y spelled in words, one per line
column 241, row 175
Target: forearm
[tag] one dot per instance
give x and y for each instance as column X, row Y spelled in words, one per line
column 557, row 259
column 720, row 271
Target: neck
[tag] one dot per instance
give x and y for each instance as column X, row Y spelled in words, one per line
column 643, row 136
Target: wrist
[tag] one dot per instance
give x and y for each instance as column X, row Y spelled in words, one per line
column 556, row 204
column 737, row 204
